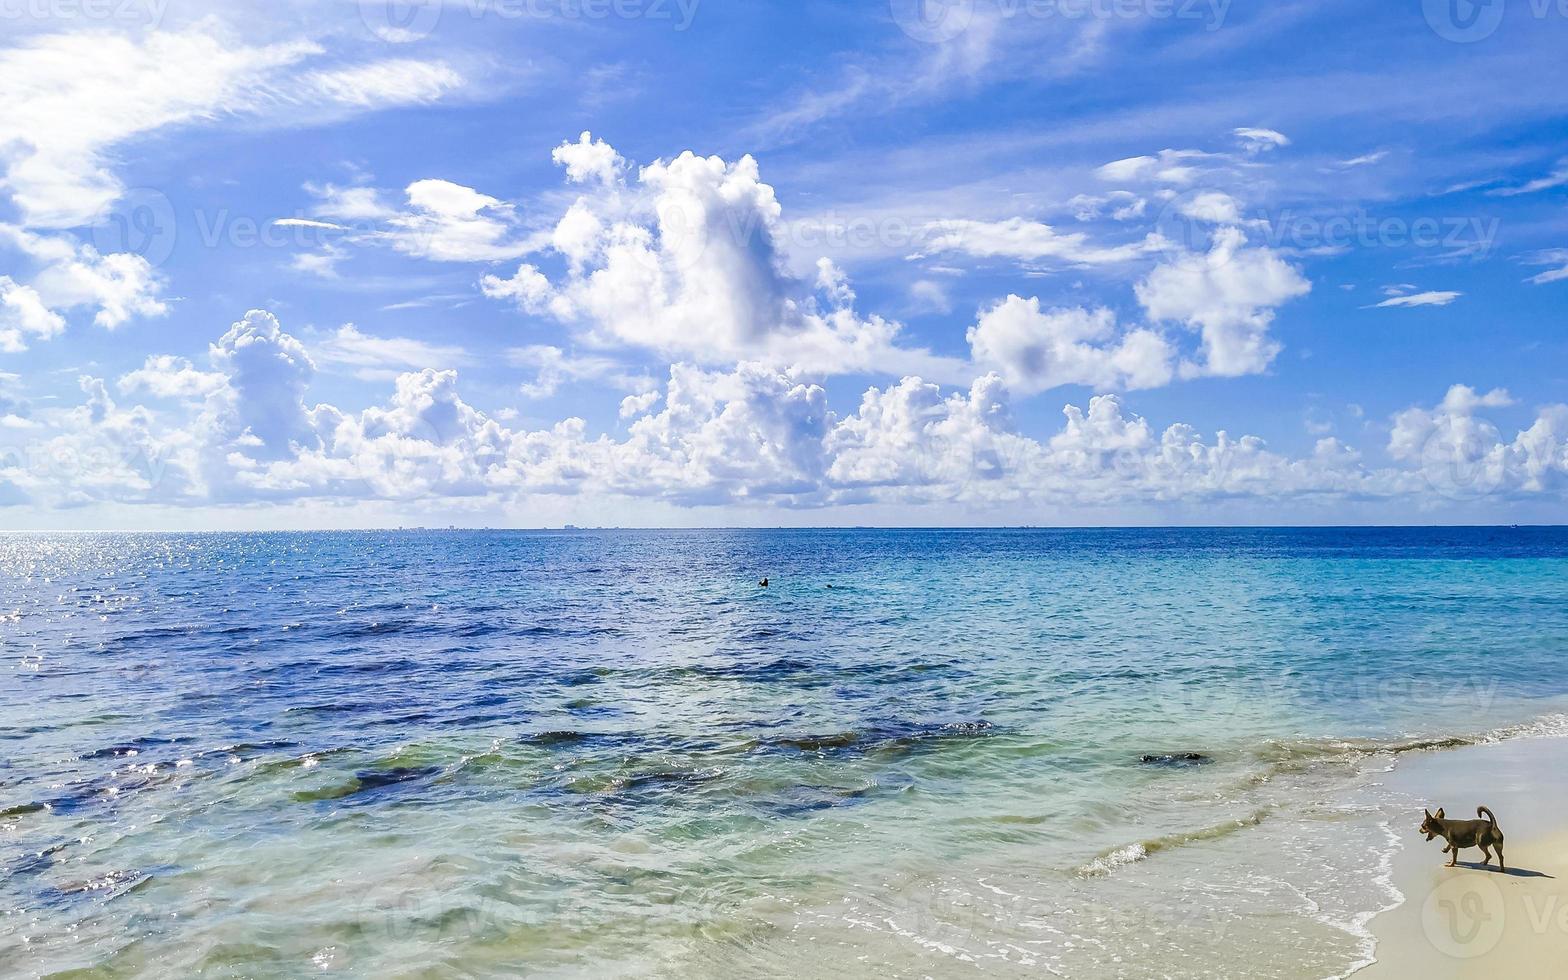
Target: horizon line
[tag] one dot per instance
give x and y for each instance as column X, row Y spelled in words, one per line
column 569, row 528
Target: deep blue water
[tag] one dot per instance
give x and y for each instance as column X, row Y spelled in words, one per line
column 626, row 755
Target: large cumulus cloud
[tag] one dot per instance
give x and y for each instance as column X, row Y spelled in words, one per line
column 245, row 428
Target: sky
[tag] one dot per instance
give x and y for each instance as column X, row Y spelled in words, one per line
column 523, row 263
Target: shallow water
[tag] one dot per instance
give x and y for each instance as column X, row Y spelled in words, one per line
column 582, row 753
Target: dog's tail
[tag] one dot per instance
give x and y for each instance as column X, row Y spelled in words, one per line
column 1486, row 812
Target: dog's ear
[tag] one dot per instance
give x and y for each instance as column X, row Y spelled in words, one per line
column 1427, row 812
column 1439, row 813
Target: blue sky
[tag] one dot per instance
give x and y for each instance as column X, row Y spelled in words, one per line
column 293, row 264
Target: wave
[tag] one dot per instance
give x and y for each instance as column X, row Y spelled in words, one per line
column 1282, row 757
column 1126, row 854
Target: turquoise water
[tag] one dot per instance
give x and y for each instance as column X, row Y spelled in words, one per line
column 614, row 754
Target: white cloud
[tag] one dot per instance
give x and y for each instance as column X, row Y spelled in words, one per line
column 589, row 159
column 261, row 414
column 1430, row 298
column 552, row 367
column 1558, row 177
column 1229, row 295
column 121, row 285
column 167, row 376
column 353, row 204
column 448, row 222
column 322, row 264
column 1122, row 205
column 1019, row 238
column 24, row 317
column 833, row 284
column 14, row 405
column 1365, row 160
column 1459, row 454
column 307, row 223
column 1129, row 169
column 634, row 405
column 385, row 357
column 687, row 260
column 1167, row 167
column 1256, row 140
column 427, row 440
column 1557, row 257
column 911, row 441
column 685, row 257
column 1214, row 207
column 1450, row 428
column 527, row 287
column 1035, row 350
column 930, row 296
column 751, row 435
column 71, row 97
column 396, row 81
column 76, row 99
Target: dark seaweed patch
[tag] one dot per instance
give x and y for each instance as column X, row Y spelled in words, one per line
column 886, row 738
column 817, row 743
column 1176, row 759
column 562, row 737
column 368, row 780
column 804, row 800
column 131, row 748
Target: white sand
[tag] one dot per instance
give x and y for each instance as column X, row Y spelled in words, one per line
column 1473, row 921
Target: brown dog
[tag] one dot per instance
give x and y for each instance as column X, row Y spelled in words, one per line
column 1466, row 833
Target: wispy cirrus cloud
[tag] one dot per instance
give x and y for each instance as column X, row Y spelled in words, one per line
column 1434, row 297
column 379, row 358
column 1558, row 177
column 1557, row 259
column 73, row 98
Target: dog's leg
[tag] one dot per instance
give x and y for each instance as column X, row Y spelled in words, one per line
column 1486, row 855
column 1500, row 865
column 1454, row 854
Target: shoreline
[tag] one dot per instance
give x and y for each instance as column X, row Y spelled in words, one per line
column 1471, row 921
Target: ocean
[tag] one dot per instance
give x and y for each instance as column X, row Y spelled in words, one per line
column 1084, row 753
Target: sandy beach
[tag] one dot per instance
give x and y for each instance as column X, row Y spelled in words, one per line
column 1472, row 921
